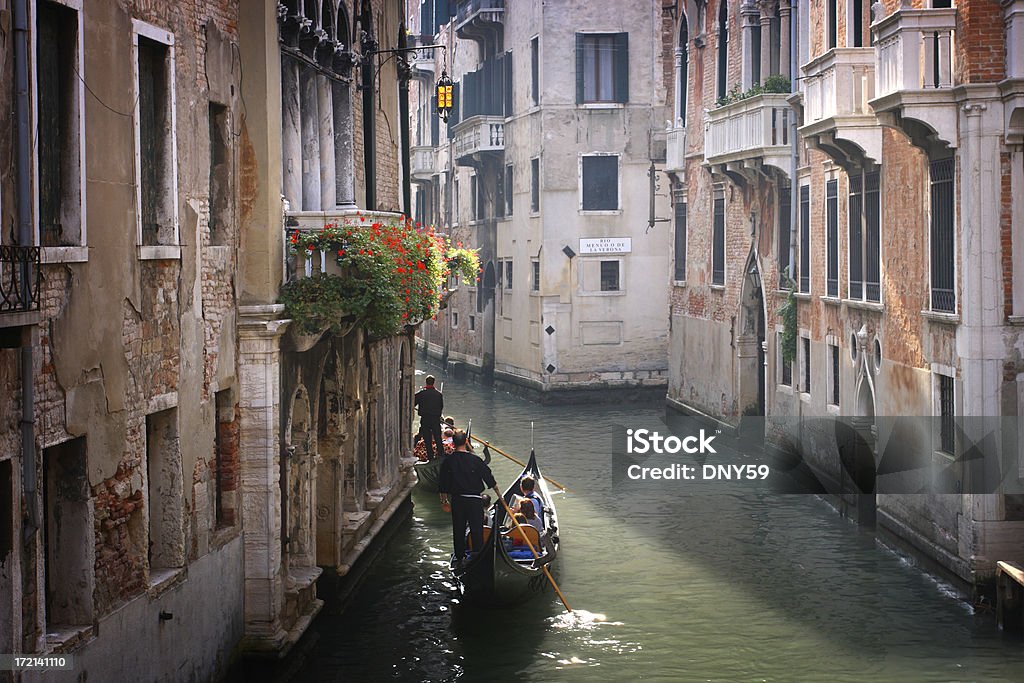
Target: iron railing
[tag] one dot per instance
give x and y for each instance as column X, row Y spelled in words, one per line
column 20, row 278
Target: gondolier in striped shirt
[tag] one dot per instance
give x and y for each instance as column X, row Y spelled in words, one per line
column 462, row 479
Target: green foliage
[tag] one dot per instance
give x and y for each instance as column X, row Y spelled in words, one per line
column 772, row 84
column 787, row 312
column 393, row 274
column 465, row 262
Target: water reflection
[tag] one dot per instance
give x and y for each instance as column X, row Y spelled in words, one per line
column 726, row 586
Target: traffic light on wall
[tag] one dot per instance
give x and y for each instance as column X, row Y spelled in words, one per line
column 444, row 96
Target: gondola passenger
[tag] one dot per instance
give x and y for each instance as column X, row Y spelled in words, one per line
column 528, row 486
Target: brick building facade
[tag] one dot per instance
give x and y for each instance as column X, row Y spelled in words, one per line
column 882, row 184
column 180, row 478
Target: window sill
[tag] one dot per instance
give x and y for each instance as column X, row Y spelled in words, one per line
column 159, row 252
column 832, row 409
column 64, row 254
column 717, row 288
column 679, row 283
column 805, row 397
column 1016, row 320
column 831, row 300
column 620, row 292
column 534, row 214
column 601, row 105
column 534, row 292
column 940, row 317
column 600, row 212
column 68, row 638
column 162, row 580
column 864, row 305
column 803, row 296
column 784, row 389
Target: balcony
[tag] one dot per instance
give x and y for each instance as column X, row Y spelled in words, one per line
column 422, row 62
column 837, row 118
column 479, row 20
column 423, row 162
column 914, row 77
column 478, row 137
column 743, row 138
column 20, row 281
column 675, row 149
column 304, row 263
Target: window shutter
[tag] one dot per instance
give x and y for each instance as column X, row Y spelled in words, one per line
column 435, row 123
column 426, row 18
column 621, row 67
column 579, row 68
column 508, row 83
column 441, row 14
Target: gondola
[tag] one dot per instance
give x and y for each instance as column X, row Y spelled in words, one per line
column 499, row 576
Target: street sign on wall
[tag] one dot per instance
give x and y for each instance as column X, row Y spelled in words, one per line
column 606, row 245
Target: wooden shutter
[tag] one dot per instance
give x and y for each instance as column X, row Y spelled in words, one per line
column 508, row 83
column 621, row 67
column 579, row 68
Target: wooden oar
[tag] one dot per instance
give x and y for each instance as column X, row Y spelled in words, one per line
column 518, row 462
column 536, row 555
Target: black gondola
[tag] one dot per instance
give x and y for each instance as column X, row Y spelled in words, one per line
column 498, row 575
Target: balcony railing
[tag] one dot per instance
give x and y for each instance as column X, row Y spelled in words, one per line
column 423, row 162
column 753, row 129
column 675, row 149
column 837, row 117
column 469, row 9
column 20, row 279
column 304, row 263
column 914, row 78
column 479, row 134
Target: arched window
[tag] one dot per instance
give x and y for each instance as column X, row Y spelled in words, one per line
column 682, row 72
column 723, row 47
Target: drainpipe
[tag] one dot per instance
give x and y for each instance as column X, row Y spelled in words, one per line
column 794, row 160
column 369, row 49
column 25, row 238
column 403, row 116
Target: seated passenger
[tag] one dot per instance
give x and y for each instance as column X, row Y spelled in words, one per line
column 528, row 515
column 528, row 485
column 449, row 420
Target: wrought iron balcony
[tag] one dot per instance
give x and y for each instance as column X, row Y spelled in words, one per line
column 837, row 119
column 479, row 136
column 675, row 149
column 479, row 19
column 915, row 74
column 742, row 138
column 20, row 281
column 423, row 162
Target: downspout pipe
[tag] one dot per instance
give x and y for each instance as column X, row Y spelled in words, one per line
column 794, row 159
column 369, row 45
column 403, row 116
column 25, row 238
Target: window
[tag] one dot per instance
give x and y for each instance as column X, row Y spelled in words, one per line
column 682, row 72
column 609, row 276
column 59, row 150
column 942, row 239
column 602, row 67
column 833, row 23
column 680, row 241
column 753, row 52
column 833, row 352
column 165, row 495
column 804, row 269
column 723, row 48
column 536, row 275
column 508, row 274
column 67, row 531
column 864, row 242
column 508, row 190
column 155, row 174
column 472, row 323
column 535, row 70
column 535, row 185
column 226, row 449
column 784, row 204
column 455, row 320
column 806, row 348
column 785, row 367
column 947, row 424
column 857, row 23
column 832, row 237
column 221, row 178
column 455, row 202
column 474, row 193
column 600, row 181
column 718, row 240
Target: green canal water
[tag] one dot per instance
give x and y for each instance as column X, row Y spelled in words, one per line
column 672, row 585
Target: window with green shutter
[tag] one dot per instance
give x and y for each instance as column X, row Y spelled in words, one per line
column 602, row 67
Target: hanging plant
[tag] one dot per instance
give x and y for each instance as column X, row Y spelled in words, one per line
column 393, row 274
column 463, row 262
column 787, row 311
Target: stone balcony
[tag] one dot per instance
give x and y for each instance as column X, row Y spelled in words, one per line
column 304, row 263
column 675, row 149
column 1012, row 88
column 477, row 137
column 743, row 139
column 423, row 162
column 837, row 87
column 915, row 56
column 479, row 20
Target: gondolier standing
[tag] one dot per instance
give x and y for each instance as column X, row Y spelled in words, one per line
column 462, row 479
column 430, row 406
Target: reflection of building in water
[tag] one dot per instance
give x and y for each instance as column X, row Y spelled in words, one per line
column 537, row 165
column 895, row 222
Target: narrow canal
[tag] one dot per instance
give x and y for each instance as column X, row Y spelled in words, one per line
column 730, row 585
